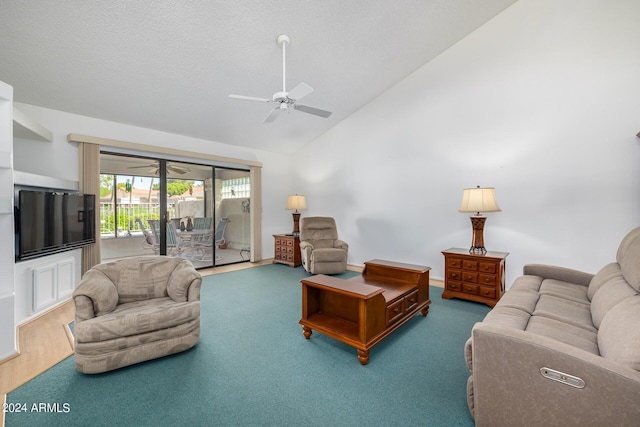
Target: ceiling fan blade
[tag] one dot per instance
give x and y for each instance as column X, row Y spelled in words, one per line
column 311, row 110
column 249, row 98
column 273, row 115
column 300, row 91
column 177, row 170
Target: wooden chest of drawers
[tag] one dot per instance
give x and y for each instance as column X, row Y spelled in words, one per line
column 474, row 277
column 287, row 250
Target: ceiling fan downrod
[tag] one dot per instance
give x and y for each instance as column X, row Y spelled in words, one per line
column 284, row 40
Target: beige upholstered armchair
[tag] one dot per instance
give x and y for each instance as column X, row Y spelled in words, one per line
column 321, row 250
column 135, row 309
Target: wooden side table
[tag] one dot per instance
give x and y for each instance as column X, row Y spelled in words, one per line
column 287, row 250
column 474, row 277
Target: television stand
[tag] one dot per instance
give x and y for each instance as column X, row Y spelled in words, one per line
column 364, row 310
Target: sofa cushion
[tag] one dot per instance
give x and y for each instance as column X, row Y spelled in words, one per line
column 328, row 255
column 619, row 335
column 564, row 332
column 510, row 317
column 564, row 310
column 527, row 283
column 522, row 300
column 606, row 273
column 138, row 317
column 608, row 296
column 565, row 290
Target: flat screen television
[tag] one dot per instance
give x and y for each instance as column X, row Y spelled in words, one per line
column 49, row 222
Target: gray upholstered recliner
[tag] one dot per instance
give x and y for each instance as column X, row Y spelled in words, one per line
column 135, row 309
column 321, row 250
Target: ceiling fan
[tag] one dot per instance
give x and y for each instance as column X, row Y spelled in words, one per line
column 155, row 167
column 286, row 100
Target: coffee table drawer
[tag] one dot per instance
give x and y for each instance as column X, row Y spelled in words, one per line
column 395, row 311
column 411, row 301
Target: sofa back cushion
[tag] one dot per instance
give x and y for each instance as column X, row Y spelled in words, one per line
column 608, row 272
column 316, row 228
column 630, row 264
column 140, row 278
column 608, row 296
column 626, row 242
column 619, row 334
column 628, row 256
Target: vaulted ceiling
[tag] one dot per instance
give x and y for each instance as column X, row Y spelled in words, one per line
column 170, row 65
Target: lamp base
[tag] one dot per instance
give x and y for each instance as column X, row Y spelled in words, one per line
column 296, row 223
column 477, row 241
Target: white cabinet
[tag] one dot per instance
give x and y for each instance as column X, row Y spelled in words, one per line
column 52, row 282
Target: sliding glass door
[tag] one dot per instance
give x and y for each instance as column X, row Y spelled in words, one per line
column 232, row 209
column 165, row 207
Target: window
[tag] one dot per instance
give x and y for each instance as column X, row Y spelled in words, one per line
column 236, row 188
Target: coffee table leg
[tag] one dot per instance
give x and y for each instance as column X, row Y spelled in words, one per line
column 425, row 311
column 306, row 331
column 363, row 356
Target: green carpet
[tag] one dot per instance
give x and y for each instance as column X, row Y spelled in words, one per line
column 253, row 366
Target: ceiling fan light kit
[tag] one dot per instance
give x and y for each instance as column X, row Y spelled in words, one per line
column 284, row 99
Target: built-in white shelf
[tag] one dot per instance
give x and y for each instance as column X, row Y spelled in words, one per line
column 35, row 180
column 25, row 127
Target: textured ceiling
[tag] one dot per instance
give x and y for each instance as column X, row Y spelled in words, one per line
column 170, row 65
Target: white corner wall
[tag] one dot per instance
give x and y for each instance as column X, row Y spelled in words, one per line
column 7, row 293
column 542, row 102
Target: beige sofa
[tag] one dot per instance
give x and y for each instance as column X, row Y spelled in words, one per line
column 135, row 309
column 561, row 347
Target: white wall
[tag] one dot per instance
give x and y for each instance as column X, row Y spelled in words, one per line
column 542, row 102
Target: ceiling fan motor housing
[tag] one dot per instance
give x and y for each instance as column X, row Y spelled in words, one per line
column 283, row 39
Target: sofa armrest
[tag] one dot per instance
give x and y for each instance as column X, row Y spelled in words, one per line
column 508, row 386
column 558, row 273
column 305, row 246
column 184, row 283
column 95, row 295
column 83, row 308
column 340, row 244
column 305, row 250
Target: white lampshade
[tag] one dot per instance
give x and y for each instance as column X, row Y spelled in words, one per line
column 296, row 202
column 479, row 200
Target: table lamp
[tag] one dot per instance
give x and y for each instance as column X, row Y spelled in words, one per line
column 296, row 202
column 478, row 200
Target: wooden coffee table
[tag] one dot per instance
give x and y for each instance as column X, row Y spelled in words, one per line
column 364, row 310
